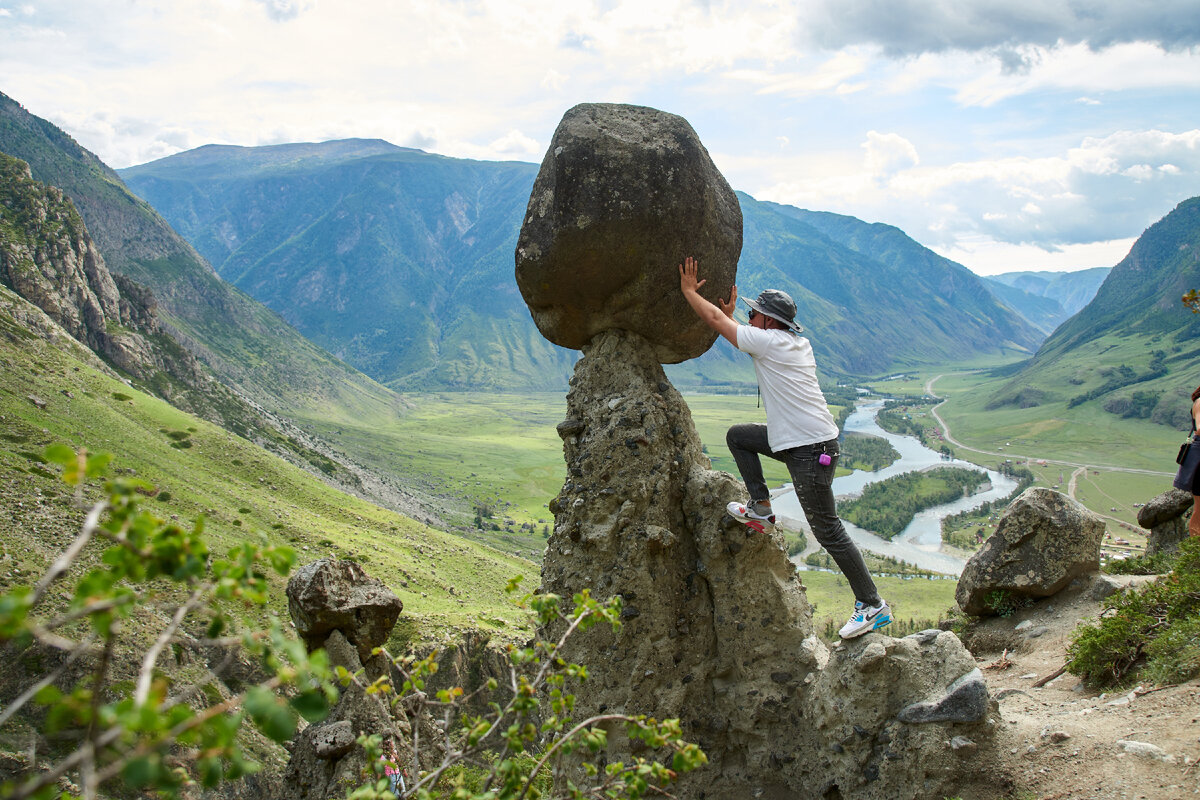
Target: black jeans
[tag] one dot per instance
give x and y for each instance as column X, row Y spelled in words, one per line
column 813, row 483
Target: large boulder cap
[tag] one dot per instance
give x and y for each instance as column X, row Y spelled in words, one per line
column 778, row 306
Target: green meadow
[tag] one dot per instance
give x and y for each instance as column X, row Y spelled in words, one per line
column 446, row 582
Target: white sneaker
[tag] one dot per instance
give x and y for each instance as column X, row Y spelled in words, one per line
column 744, row 513
column 865, row 619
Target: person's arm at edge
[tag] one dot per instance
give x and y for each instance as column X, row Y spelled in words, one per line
column 719, row 319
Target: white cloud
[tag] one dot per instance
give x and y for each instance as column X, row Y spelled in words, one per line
column 1105, row 189
column 515, row 144
column 888, row 153
column 910, row 27
column 993, row 99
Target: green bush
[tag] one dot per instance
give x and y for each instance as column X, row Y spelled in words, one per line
column 1152, row 632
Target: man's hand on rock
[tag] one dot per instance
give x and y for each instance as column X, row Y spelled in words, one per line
column 728, row 308
column 689, row 276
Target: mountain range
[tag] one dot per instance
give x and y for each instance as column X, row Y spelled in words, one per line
column 1134, row 349
column 1047, row 299
column 401, row 263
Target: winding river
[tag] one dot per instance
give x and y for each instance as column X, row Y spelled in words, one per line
column 921, row 542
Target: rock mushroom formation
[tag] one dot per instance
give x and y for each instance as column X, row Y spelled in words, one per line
column 624, row 194
column 716, row 627
column 1166, row 517
column 335, row 605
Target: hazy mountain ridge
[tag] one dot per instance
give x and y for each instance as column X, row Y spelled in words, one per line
column 1071, row 290
column 1043, row 313
column 400, row 262
column 1136, row 317
column 397, row 261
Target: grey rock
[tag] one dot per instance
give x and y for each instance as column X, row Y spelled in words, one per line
column 1167, row 506
column 1103, row 586
column 1166, row 517
column 963, row 746
column 1043, row 542
column 623, row 195
column 330, row 595
column 966, row 700
column 1145, row 750
column 333, row 740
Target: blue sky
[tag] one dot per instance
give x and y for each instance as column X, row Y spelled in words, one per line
column 1005, row 134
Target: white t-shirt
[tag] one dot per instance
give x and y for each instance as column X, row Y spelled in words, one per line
column 787, row 378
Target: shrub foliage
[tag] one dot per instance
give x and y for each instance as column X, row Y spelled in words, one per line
column 1151, row 633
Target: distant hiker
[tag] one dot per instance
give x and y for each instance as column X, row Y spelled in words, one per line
column 391, row 768
column 800, row 432
column 1188, row 477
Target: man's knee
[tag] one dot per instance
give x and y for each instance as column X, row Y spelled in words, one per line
column 736, row 436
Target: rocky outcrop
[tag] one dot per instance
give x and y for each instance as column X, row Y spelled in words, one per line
column 623, row 195
column 716, row 628
column 335, row 605
column 1166, row 517
column 1041, row 544
column 47, row 257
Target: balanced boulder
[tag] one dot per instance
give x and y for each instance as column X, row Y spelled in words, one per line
column 1041, row 544
column 329, row 595
column 624, row 195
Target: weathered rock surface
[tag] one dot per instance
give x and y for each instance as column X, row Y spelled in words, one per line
column 1166, row 518
column 624, row 194
column 329, row 595
column 337, row 606
column 717, row 630
column 1042, row 542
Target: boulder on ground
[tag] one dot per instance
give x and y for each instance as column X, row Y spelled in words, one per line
column 1167, row 520
column 624, row 194
column 329, row 595
column 1042, row 542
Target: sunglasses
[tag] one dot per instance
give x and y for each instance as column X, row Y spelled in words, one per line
column 751, row 314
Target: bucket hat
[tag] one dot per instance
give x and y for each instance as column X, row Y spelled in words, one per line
column 778, row 306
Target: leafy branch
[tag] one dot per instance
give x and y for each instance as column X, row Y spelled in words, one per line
column 151, row 739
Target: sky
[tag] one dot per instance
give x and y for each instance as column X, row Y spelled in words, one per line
column 1004, row 134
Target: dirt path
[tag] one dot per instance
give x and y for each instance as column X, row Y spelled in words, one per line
column 1063, row 741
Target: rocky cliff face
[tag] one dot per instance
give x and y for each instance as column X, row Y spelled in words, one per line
column 48, row 258
column 717, row 630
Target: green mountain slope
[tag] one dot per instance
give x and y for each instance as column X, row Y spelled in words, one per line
column 244, row 343
column 397, row 261
column 400, row 262
column 1134, row 350
column 52, row 389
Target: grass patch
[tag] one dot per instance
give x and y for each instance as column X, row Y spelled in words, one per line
column 446, row 583
column 917, row 603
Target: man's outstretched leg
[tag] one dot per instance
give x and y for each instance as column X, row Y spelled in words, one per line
column 813, row 483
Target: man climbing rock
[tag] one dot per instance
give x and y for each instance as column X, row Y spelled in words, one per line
column 800, row 432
